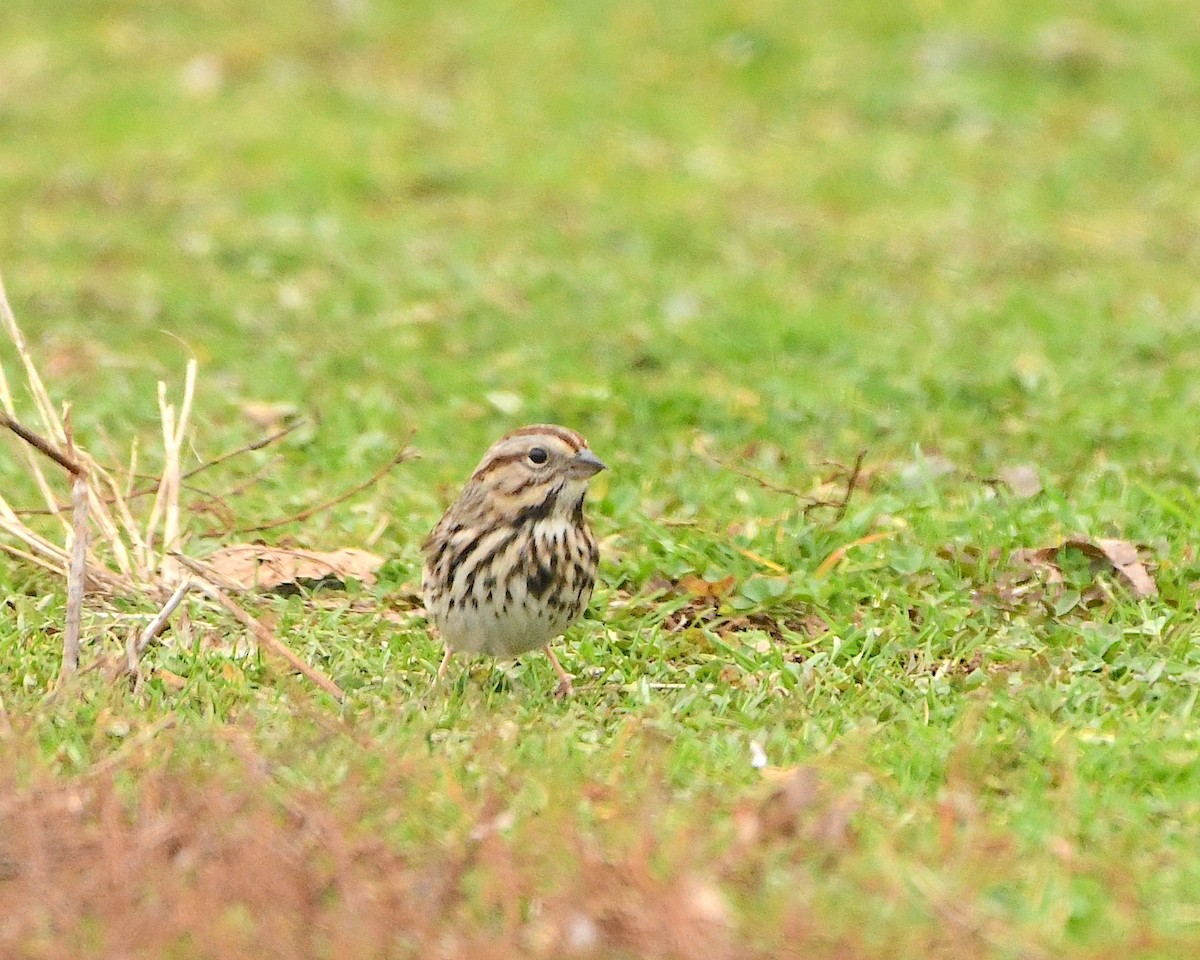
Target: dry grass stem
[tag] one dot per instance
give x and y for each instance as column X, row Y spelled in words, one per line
column 204, row 577
column 128, row 494
column 11, row 524
column 138, row 643
column 76, row 577
column 166, row 500
column 131, row 558
column 268, row 640
column 401, row 456
column 138, row 552
column 50, row 440
column 206, row 572
column 35, row 468
column 26, row 557
column 41, row 398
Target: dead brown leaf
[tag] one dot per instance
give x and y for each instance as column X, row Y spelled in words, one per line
column 171, row 680
column 657, row 584
column 1123, row 556
column 1119, row 555
column 1022, row 480
column 699, row 587
column 254, row 566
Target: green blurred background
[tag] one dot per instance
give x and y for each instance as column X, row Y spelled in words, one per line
column 960, row 236
column 968, row 225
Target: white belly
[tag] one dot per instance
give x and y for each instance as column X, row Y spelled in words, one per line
column 503, row 630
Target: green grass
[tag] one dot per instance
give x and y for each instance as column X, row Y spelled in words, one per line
column 946, row 234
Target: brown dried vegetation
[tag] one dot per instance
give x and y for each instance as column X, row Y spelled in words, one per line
column 151, row 857
column 146, row 860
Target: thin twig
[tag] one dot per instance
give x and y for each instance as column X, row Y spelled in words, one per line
column 265, row 637
column 248, row 448
column 119, row 497
column 76, row 577
column 137, row 644
column 209, row 464
column 851, row 481
column 401, row 456
column 218, row 503
column 757, row 478
column 77, row 467
column 270, row 641
column 121, row 500
column 41, row 445
column 810, row 503
column 35, row 466
column 207, row 572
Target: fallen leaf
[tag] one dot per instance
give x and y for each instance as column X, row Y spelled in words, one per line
column 699, row 587
column 253, row 566
column 657, row 584
column 1123, row 556
column 729, row 675
column 1120, row 555
column 1043, row 560
column 1022, row 480
column 171, row 680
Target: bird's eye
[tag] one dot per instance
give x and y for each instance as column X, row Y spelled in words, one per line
column 538, row 455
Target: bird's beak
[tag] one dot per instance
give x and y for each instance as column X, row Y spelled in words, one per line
column 586, row 464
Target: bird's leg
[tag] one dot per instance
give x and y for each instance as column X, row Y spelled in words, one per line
column 564, row 688
column 442, row 668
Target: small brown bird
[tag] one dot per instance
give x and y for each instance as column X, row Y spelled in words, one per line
column 511, row 565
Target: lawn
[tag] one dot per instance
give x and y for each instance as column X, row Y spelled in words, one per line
column 734, row 245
